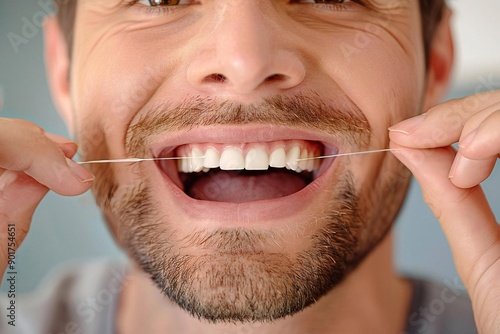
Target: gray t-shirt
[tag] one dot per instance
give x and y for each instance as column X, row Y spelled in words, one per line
column 83, row 300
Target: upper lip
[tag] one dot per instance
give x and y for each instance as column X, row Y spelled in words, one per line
column 240, row 134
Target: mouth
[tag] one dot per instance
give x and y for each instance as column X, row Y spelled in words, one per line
column 243, row 172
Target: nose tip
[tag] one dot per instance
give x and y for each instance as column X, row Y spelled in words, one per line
column 244, row 76
column 276, row 69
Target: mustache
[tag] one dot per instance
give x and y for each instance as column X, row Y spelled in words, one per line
column 339, row 117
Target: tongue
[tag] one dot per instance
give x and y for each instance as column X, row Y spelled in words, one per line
column 238, row 187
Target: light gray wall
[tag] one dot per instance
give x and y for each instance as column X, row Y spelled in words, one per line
column 71, row 229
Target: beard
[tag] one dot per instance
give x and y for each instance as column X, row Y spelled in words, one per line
column 238, row 274
column 237, row 279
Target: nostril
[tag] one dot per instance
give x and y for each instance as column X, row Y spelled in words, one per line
column 220, row 78
column 276, row 77
column 216, row 77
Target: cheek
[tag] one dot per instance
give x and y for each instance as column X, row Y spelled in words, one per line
column 382, row 73
column 386, row 87
column 112, row 86
column 384, row 76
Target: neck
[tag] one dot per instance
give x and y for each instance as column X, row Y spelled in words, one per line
column 372, row 299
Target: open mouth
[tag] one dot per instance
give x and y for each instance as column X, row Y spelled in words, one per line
column 245, row 172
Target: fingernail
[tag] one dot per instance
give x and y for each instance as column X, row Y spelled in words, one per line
column 409, row 125
column 454, row 166
column 465, row 143
column 80, row 172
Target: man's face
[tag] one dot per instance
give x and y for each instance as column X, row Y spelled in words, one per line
column 246, row 84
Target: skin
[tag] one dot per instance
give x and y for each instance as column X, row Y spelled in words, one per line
column 358, row 52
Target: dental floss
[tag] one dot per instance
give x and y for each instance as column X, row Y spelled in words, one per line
column 348, row 154
column 133, row 160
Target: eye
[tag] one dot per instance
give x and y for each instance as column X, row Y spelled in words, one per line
column 159, row 7
column 328, row 2
column 155, row 3
column 334, row 5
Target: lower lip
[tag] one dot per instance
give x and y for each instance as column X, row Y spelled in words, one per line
column 255, row 212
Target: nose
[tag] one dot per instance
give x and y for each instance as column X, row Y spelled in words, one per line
column 242, row 54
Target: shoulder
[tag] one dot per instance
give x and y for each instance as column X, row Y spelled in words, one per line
column 72, row 299
column 443, row 308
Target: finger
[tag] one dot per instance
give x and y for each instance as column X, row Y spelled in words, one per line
column 467, row 173
column 19, row 196
column 68, row 146
column 442, row 125
column 484, row 141
column 464, row 214
column 26, row 148
column 478, row 153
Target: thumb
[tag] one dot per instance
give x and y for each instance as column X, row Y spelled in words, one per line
column 464, row 214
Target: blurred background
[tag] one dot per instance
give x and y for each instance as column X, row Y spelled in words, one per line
column 71, row 229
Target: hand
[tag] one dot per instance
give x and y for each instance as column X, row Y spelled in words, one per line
column 450, row 183
column 32, row 162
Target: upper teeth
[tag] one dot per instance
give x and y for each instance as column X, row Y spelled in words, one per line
column 233, row 158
